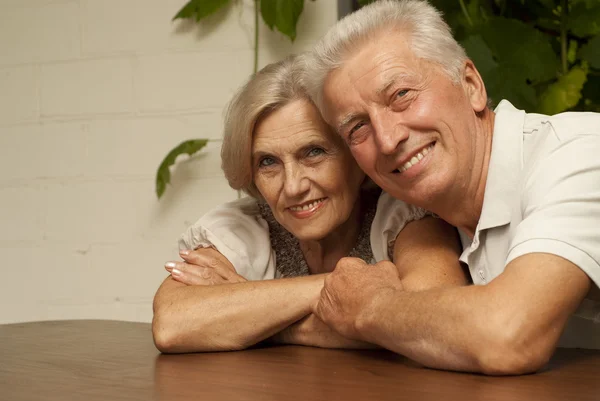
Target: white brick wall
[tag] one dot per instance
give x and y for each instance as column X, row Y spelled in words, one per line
column 93, row 93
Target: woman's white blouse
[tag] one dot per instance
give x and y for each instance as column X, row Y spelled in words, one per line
column 237, row 230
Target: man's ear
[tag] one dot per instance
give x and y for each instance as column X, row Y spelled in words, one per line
column 475, row 88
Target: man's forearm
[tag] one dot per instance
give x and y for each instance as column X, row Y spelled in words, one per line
column 420, row 326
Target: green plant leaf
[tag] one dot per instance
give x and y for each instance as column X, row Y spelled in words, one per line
column 591, row 89
column 268, row 10
column 199, row 9
column 480, row 53
column 282, row 14
column 572, row 51
column 505, row 82
column 591, row 52
column 163, row 175
column 565, row 93
column 584, row 19
column 524, row 49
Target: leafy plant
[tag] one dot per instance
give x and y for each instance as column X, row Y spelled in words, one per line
column 541, row 55
column 282, row 15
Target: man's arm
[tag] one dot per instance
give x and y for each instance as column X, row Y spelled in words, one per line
column 425, row 256
column 510, row 326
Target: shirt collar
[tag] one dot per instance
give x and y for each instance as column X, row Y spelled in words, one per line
column 504, row 167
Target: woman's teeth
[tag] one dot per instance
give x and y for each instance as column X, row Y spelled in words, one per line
column 307, row 206
column 415, row 159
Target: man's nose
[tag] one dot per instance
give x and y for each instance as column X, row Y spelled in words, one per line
column 296, row 180
column 389, row 132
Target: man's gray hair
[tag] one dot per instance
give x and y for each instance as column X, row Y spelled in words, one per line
column 429, row 35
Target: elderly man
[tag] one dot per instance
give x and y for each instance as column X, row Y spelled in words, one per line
column 523, row 190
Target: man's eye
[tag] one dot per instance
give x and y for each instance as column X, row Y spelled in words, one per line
column 315, row 152
column 266, row 162
column 402, row 92
column 356, row 128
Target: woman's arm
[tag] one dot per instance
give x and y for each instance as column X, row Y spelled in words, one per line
column 194, row 318
column 426, row 255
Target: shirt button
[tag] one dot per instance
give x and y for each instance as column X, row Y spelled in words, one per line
column 482, row 275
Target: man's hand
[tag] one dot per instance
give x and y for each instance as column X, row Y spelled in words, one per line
column 349, row 290
column 204, row 266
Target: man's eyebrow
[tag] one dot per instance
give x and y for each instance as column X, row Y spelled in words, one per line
column 348, row 118
column 391, row 81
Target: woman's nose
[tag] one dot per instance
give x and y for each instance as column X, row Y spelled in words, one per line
column 296, row 180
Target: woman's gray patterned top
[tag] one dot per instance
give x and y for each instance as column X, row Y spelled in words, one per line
column 289, row 259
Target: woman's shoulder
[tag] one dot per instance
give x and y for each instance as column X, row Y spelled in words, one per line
column 390, row 218
column 237, row 230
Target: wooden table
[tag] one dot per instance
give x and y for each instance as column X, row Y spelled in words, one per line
column 108, row 360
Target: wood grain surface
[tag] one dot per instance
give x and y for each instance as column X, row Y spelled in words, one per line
column 93, row 360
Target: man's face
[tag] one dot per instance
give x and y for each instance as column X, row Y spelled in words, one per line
column 409, row 126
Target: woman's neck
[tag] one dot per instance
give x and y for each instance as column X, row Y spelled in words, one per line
column 322, row 255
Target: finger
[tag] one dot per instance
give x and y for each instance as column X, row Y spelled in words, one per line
column 210, row 258
column 193, row 275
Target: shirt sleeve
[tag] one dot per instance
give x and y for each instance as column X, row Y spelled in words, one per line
column 390, row 218
column 237, row 231
column 560, row 206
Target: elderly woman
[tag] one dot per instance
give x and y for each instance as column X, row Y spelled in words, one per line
column 310, row 205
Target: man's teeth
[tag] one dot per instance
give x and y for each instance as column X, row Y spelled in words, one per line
column 415, row 159
column 307, row 206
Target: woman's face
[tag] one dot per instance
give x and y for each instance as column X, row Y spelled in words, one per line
column 304, row 171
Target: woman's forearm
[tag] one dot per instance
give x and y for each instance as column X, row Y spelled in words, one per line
column 229, row 316
column 311, row 331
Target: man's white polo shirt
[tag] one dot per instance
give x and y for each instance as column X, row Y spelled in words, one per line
column 542, row 195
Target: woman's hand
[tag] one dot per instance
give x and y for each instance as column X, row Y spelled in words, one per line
column 204, row 266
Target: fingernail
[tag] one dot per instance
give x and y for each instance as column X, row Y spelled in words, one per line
column 169, row 265
column 184, row 252
column 176, row 272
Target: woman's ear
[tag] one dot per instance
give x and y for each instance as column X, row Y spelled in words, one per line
column 475, row 87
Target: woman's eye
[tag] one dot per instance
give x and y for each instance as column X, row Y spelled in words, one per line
column 315, row 152
column 266, row 162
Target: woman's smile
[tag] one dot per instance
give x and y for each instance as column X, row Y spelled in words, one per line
column 307, row 209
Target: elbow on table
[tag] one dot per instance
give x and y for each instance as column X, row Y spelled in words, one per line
column 514, row 352
column 169, row 339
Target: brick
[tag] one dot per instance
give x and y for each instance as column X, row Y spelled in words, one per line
column 86, row 88
column 39, row 276
column 156, row 31
column 138, row 265
column 114, row 211
column 113, row 144
column 190, row 81
column 22, row 213
column 39, row 32
column 48, row 150
column 18, row 95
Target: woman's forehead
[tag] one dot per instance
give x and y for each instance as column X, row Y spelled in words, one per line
column 293, row 125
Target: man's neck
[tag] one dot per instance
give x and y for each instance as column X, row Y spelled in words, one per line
column 464, row 212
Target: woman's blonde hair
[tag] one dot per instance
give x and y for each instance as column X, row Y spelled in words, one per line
column 429, row 36
column 273, row 87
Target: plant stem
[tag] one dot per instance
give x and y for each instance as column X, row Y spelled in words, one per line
column 256, row 7
column 563, row 35
column 465, row 12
